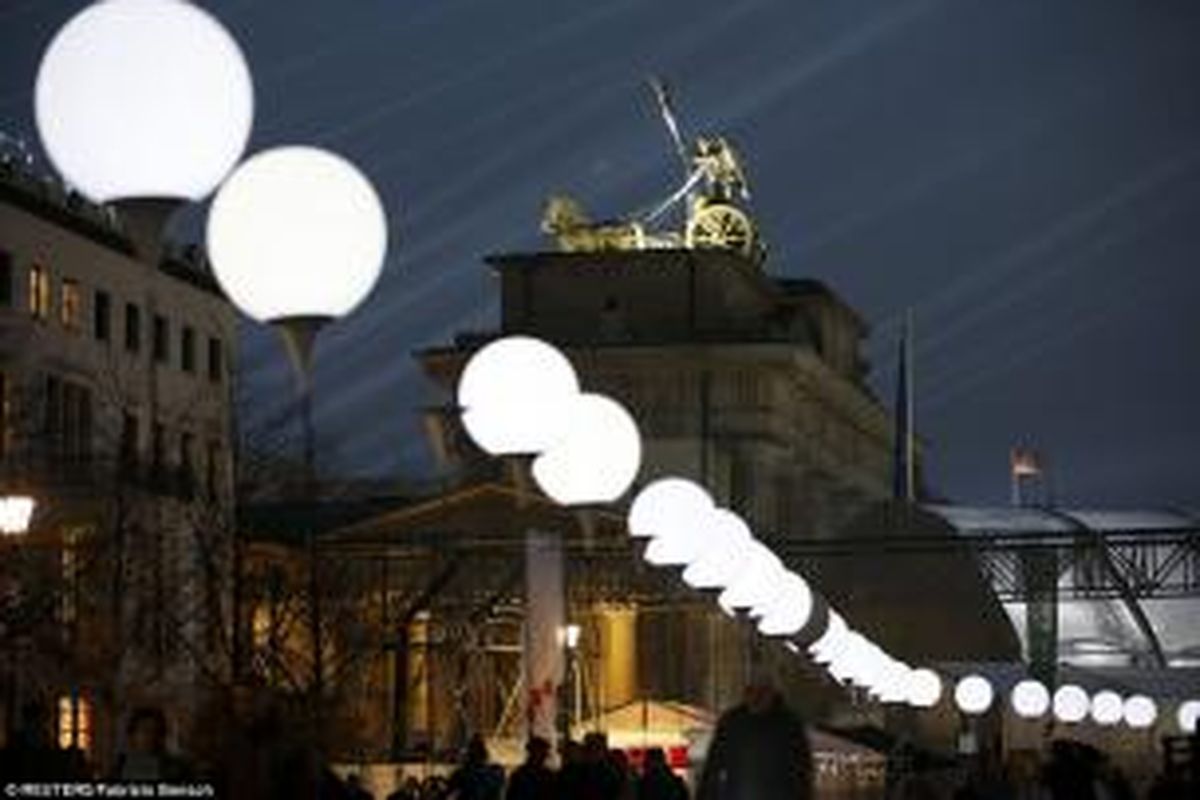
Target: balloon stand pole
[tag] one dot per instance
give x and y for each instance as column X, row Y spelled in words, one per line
column 587, row 527
column 145, row 220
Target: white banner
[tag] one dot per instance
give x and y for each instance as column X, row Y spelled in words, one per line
column 545, row 618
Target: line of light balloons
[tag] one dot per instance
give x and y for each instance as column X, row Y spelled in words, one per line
column 519, row 395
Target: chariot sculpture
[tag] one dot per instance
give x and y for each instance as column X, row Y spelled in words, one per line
column 714, row 190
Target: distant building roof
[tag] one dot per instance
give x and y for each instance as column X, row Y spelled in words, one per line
column 969, row 520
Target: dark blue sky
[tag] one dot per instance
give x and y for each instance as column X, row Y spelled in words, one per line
column 1024, row 174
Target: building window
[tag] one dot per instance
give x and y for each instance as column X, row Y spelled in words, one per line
column 212, row 465
column 101, row 315
column 187, row 349
column 215, row 365
column 68, row 422
column 158, row 456
column 39, row 292
column 71, row 310
column 187, row 476
column 133, row 328
column 162, row 339
column 6, row 277
column 129, row 442
column 75, row 722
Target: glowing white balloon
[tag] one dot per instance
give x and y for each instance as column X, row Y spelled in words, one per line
column 924, row 688
column 756, row 581
column 516, row 395
column 973, row 695
column 667, row 506
column 896, row 682
column 1107, row 708
column 145, row 99
column 1030, row 699
column 727, row 546
column 791, row 608
column 297, row 232
column 1071, row 704
column 1188, row 716
column 1140, row 711
column 597, row 459
column 825, row 648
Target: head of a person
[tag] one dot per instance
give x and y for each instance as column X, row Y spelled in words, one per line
column 147, row 730
column 656, row 759
column 537, row 750
column 619, row 761
column 595, row 747
column 476, row 750
column 572, row 752
column 760, row 695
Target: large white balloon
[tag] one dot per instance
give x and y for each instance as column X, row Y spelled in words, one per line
column 757, row 579
column 1140, row 711
column 516, row 395
column 791, row 608
column 297, row 232
column 825, row 648
column 924, row 688
column 1188, row 716
column 144, row 99
column 597, row 460
column 1071, row 704
column 1107, row 708
column 724, row 551
column 1030, row 699
column 667, row 507
column 974, row 694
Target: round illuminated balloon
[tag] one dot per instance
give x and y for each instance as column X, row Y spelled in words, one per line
column 297, row 232
column 1188, row 716
column 824, row 649
column 791, row 608
column 973, row 695
column 1071, row 704
column 143, row 99
column 1140, row 711
column 516, row 395
column 924, row 688
column 1107, row 708
column 668, row 506
column 1030, row 699
column 756, row 581
column 726, row 547
column 597, row 459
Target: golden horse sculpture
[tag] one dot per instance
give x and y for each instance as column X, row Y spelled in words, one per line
column 565, row 220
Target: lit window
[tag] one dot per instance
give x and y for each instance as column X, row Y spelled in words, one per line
column 39, row 292
column 75, row 722
column 71, row 311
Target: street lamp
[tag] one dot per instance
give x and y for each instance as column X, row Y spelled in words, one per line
column 1030, row 699
column 144, row 103
column 515, row 395
column 1070, row 704
column 16, row 513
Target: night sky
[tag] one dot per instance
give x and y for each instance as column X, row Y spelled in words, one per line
column 1024, row 174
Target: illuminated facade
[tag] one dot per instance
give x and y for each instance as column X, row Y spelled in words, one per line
column 115, row 378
